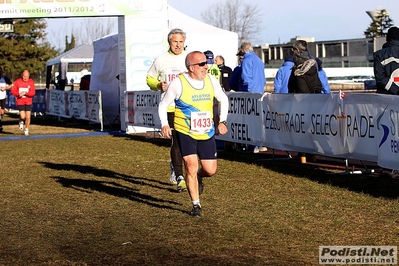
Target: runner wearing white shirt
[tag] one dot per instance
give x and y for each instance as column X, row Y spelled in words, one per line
column 165, row 68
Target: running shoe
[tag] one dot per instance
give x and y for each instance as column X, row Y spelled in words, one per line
column 200, row 185
column 26, row 132
column 262, row 149
column 196, row 212
column 21, row 125
column 181, row 184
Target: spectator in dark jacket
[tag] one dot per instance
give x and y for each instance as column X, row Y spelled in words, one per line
column 235, row 82
column 304, row 77
column 84, row 80
column 386, row 64
column 225, row 73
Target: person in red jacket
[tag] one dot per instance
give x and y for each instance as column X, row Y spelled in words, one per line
column 24, row 90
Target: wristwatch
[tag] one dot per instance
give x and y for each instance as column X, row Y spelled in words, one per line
column 223, row 122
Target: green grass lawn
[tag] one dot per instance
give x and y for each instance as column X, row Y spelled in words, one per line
column 107, row 200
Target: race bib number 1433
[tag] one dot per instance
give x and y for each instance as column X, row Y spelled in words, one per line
column 201, row 121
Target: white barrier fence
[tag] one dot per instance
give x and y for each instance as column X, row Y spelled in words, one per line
column 83, row 105
column 359, row 126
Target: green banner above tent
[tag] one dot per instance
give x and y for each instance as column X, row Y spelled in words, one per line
column 75, row 8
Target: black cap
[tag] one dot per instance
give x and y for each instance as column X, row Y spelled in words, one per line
column 393, row 34
column 208, row 54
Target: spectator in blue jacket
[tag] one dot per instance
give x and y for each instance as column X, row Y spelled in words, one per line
column 283, row 75
column 323, row 78
column 235, row 79
column 252, row 77
column 252, row 70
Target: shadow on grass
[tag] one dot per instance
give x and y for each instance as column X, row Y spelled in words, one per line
column 376, row 185
column 379, row 186
column 111, row 187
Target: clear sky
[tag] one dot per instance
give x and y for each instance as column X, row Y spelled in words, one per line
column 322, row 19
column 284, row 19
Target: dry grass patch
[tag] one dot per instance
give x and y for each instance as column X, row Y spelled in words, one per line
column 107, row 200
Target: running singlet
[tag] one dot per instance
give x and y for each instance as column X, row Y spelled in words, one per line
column 194, row 110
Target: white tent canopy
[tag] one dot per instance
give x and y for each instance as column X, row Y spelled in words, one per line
column 200, row 36
column 81, row 54
column 104, row 70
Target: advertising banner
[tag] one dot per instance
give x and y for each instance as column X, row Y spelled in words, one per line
column 143, row 108
column 358, row 126
column 244, row 118
column 69, row 8
column 387, row 131
column 303, row 122
column 84, row 105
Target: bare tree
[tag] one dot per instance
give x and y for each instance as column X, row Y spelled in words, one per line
column 92, row 29
column 83, row 30
column 236, row 16
column 57, row 38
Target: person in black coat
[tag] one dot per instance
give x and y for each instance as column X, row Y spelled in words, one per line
column 386, row 64
column 304, row 76
column 225, row 73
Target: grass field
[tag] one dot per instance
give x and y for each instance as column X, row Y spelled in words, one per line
column 107, row 200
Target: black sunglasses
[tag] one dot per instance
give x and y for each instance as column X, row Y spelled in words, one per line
column 200, row 64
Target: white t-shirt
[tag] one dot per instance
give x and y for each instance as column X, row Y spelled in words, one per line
column 3, row 87
column 167, row 66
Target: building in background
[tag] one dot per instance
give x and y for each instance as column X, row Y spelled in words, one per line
column 333, row 53
column 344, row 61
